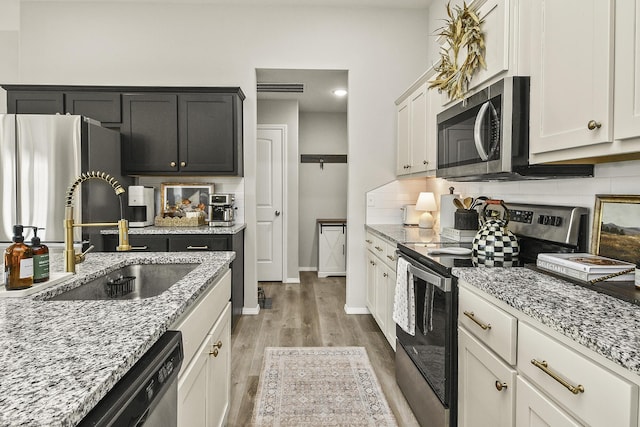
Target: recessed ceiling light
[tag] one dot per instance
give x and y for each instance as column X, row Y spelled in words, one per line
column 340, row 92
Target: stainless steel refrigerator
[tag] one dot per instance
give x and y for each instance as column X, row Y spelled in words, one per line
column 40, row 157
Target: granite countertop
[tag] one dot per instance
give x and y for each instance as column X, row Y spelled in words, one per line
column 59, row 358
column 607, row 325
column 203, row 229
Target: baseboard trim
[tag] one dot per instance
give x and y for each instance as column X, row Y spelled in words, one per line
column 251, row 311
column 292, row 280
column 308, row 269
column 356, row 310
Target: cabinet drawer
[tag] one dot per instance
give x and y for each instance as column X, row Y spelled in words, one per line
column 197, row 322
column 493, row 327
column 371, row 241
column 199, row 243
column 138, row 243
column 606, row 399
column 390, row 254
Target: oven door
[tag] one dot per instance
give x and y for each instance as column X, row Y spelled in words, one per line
column 433, row 347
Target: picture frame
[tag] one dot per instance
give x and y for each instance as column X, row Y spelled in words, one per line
column 616, row 227
column 175, row 194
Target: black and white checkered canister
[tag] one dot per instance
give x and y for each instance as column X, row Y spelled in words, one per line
column 494, row 241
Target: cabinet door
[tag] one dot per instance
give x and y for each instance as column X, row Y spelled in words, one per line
column 627, row 70
column 418, row 111
column 371, row 277
column 192, row 390
column 403, row 138
column 33, row 102
column 383, row 275
column 150, row 133
column 219, row 372
column 571, row 92
column 199, row 243
column 207, row 133
column 102, row 106
column 390, row 287
column 331, row 249
column 486, row 385
column 534, row 409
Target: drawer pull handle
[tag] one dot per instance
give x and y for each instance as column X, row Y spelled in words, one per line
column 391, row 257
column 544, row 366
column 471, row 316
column 500, row 386
column 139, row 248
column 378, row 248
column 385, row 275
column 369, row 241
column 198, row 248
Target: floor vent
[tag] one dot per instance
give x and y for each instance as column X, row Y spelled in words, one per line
column 281, row 87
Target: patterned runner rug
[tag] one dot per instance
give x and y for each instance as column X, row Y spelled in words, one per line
column 319, row 386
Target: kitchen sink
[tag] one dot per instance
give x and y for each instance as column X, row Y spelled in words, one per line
column 136, row 281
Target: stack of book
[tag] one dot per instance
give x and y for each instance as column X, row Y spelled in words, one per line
column 458, row 235
column 586, row 267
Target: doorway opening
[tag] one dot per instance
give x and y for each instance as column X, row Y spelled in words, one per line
column 314, row 168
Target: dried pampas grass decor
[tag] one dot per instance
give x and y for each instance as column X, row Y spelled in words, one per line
column 462, row 32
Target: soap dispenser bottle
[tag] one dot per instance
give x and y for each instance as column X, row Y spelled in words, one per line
column 18, row 262
column 40, row 257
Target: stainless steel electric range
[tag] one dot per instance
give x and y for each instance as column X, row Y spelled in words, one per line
column 426, row 362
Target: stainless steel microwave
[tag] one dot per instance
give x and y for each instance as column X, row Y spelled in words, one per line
column 486, row 137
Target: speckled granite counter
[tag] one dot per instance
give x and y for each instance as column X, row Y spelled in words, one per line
column 399, row 233
column 59, row 358
column 606, row 325
column 204, row 229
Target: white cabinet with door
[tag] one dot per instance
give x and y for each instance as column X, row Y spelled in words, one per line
column 332, row 247
column 381, row 282
column 416, row 129
column 571, row 52
column 204, row 381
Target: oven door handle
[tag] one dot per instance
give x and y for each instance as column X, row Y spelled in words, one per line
column 443, row 283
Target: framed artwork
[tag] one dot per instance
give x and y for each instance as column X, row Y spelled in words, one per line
column 616, row 227
column 190, row 195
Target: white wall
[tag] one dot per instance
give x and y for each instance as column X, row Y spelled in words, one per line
column 323, row 192
column 286, row 113
column 9, row 37
column 129, row 43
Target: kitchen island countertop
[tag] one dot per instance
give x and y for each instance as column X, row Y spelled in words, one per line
column 59, row 358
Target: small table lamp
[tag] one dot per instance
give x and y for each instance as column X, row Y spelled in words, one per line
column 426, row 202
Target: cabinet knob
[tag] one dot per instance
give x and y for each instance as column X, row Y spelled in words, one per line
column 214, row 353
column 501, row 386
column 385, row 275
column 424, row 162
column 183, row 164
column 592, row 125
column 369, row 241
column 218, row 344
column 277, row 213
column 172, row 164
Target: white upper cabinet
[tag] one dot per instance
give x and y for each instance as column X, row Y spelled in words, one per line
column 416, row 128
column 627, row 73
column 571, row 79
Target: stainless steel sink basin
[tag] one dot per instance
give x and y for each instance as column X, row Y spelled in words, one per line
column 136, row 281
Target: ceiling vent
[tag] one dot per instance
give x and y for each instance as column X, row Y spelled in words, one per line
column 281, row 87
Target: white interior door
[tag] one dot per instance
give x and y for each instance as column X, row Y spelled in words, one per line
column 269, row 196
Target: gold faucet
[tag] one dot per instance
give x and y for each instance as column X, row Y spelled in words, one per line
column 71, row 258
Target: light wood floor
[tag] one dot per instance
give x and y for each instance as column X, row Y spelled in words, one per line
column 309, row 314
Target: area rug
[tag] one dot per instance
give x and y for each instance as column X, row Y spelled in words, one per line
column 319, row 386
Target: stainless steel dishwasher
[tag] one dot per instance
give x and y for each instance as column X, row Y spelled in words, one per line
column 147, row 394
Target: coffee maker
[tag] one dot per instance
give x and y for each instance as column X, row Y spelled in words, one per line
column 222, row 208
column 141, row 206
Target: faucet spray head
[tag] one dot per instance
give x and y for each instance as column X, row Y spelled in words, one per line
column 93, row 175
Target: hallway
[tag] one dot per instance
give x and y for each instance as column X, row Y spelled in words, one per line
column 304, row 315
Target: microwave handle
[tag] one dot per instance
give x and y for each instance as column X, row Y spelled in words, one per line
column 477, row 138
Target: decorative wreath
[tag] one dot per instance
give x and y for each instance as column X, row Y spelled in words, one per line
column 461, row 30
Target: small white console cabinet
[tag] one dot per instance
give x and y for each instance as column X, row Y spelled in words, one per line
column 332, row 247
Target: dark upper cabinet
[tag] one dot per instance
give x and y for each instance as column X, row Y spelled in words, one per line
column 102, row 106
column 30, row 102
column 149, row 133
column 166, row 130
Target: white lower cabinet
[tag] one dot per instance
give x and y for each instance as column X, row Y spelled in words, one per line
column 332, row 248
column 486, row 385
column 534, row 409
column 204, row 382
column 381, row 282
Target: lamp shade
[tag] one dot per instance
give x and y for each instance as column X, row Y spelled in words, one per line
column 426, row 202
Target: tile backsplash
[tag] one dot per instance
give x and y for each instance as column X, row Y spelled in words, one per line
column 384, row 204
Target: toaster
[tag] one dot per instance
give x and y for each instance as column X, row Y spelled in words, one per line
column 410, row 216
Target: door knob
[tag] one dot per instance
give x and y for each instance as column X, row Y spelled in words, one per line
column 277, row 213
